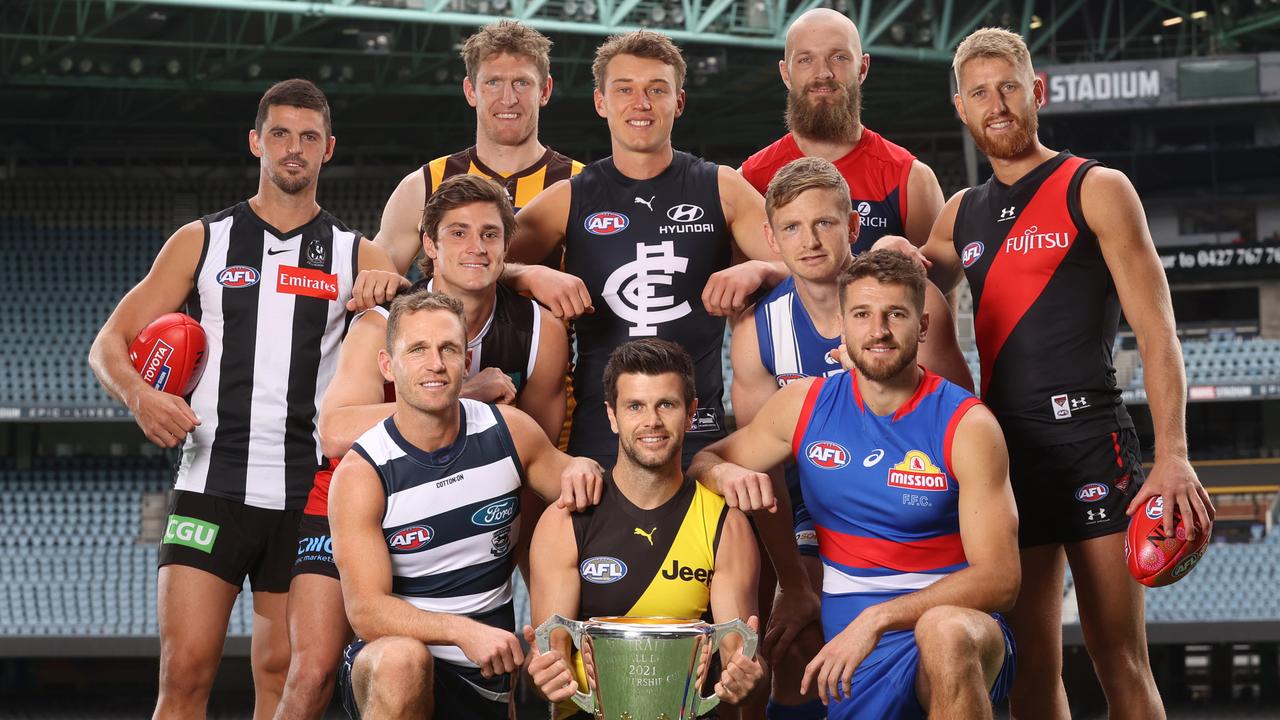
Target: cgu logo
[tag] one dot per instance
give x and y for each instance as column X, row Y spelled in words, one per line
column 1093, row 492
column 410, row 539
column 827, row 455
column 606, row 223
column 495, row 513
column 238, row 276
column 971, row 253
column 602, row 570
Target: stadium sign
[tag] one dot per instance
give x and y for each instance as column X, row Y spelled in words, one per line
column 1213, row 393
column 1160, row 84
column 1220, row 262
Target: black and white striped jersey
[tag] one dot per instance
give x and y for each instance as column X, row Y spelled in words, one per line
column 273, row 308
column 452, row 518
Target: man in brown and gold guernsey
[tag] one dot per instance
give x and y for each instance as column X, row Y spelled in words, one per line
column 508, row 81
column 658, row 544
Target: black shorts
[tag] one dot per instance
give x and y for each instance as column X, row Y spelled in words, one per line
column 231, row 540
column 1075, row 491
column 315, row 548
column 456, row 689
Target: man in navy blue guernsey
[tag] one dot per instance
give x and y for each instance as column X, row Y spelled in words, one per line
column 425, row 512
column 918, row 543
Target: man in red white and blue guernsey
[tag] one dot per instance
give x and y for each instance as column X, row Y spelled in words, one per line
column 918, row 539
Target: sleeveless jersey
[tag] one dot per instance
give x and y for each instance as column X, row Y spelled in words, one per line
column 508, row 341
column 645, row 249
column 646, row 563
column 790, row 346
column 875, row 169
column 881, row 491
column 273, row 308
column 1045, row 307
column 451, row 519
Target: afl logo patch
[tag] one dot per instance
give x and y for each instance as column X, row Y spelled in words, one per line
column 786, row 379
column 238, row 276
column 410, row 539
column 971, row 253
column 606, row 223
column 827, row 455
column 1093, row 492
column 602, row 570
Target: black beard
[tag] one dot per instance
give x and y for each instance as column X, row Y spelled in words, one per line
column 826, row 122
column 1011, row 146
column 291, row 186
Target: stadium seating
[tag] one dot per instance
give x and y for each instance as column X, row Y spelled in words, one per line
column 1221, row 361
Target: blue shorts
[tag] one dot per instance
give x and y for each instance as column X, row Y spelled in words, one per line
column 459, row 692
column 806, row 531
column 884, row 685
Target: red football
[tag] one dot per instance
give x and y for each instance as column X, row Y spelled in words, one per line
column 169, row 353
column 1156, row 559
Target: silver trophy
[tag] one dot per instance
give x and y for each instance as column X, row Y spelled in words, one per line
column 644, row 668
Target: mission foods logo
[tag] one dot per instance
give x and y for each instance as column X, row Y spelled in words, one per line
column 238, row 276
column 602, row 570
column 410, row 539
column 606, row 223
column 917, row 472
column 827, row 455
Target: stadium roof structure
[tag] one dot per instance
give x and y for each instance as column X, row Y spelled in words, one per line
column 113, row 74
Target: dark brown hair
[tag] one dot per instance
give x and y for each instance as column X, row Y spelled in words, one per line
column 888, row 267
column 650, row 356
column 296, row 93
column 455, row 192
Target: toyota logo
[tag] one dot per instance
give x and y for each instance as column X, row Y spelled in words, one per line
column 685, row 213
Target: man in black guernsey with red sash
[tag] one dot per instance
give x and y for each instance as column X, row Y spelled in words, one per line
column 1054, row 248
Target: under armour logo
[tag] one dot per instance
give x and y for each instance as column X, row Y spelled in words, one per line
column 632, row 290
column 1099, row 514
column 647, row 203
column 1007, row 213
column 1079, row 402
column 646, row 535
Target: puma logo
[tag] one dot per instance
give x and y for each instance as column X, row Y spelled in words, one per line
column 647, row 203
column 646, row 535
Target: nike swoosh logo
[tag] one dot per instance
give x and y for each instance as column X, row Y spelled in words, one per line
column 277, row 252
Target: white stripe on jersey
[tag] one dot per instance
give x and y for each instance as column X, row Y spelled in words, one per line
column 443, row 495
column 782, row 336
column 274, row 331
column 835, row 582
column 537, row 338
column 459, row 554
column 460, row 606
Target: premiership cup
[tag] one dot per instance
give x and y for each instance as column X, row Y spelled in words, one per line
column 644, row 668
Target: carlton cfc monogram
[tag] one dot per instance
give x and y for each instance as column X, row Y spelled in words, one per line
column 632, row 290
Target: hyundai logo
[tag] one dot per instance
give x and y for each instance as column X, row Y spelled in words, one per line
column 685, row 213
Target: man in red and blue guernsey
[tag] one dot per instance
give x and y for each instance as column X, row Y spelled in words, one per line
column 918, row 542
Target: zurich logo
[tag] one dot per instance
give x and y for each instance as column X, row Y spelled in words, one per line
column 606, row 223
column 827, row 455
column 495, row 513
column 685, row 213
column 971, row 253
column 864, row 209
column 874, row 458
column 602, row 570
column 1093, row 492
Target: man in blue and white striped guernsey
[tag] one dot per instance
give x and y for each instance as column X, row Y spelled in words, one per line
column 425, row 512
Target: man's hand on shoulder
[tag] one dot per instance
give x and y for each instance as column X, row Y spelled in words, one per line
column 744, row 489
column 496, row 651
column 729, row 291
column 581, row 484
column 563, row 294
column 900, row 244
column 375, row 287
column 490, row 385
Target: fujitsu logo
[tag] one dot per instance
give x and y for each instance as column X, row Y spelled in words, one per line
column 1033, row 239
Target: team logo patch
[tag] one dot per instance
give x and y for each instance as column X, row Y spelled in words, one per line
column 238, row 276
column 156, row 371
column 501, row 543
column 971, row 253
column 1061, row 407
column 495, row 513
column 639, row 291
column 685, row 213
column 602, row 570
column 917, row 472
column 827, row 455
column 1155, row 508
column 1093, row 492
column 410, row 539
column 606, row 223
column 786, row 379
column 304, row 281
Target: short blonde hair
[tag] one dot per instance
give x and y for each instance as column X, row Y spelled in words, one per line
column 510, row 37
column 641, row 43
column 421, row 300
column 991, row 42
column 806, row 173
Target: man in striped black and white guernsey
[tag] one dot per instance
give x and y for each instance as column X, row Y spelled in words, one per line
column 425, row 513
column 268, row 279
column 907, row 478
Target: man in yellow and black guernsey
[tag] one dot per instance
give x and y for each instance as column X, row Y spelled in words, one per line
column 658, row 544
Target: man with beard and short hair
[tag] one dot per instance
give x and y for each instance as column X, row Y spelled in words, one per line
column 893, row 193
column 273, row 306
column 681, row 550
column 1055, row 247
column 906, row 477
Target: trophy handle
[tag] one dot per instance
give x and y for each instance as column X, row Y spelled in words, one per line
column 542, row 635
column 749, row 638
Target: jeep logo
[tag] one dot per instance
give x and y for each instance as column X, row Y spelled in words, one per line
column 686, row 573
column 495, row 513
column 602, row 570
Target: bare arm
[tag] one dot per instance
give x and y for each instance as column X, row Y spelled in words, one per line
column 560, row 480
column 398, row 232
column 940, row 350
column 542, row 226
column 924, row 203
column 938, row 254
column 1114, row 213
column 165, row 419
column 752, row 384
column 729, row 291
column 756, row 447
column 733, row 596
column 543, row 396
column 555, row 590
column 354, row 401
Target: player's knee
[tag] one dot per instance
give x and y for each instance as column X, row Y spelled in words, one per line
column 396, row 662
column 312, row 673
column 948, row 635
column 270, row 661
column 185, row 676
